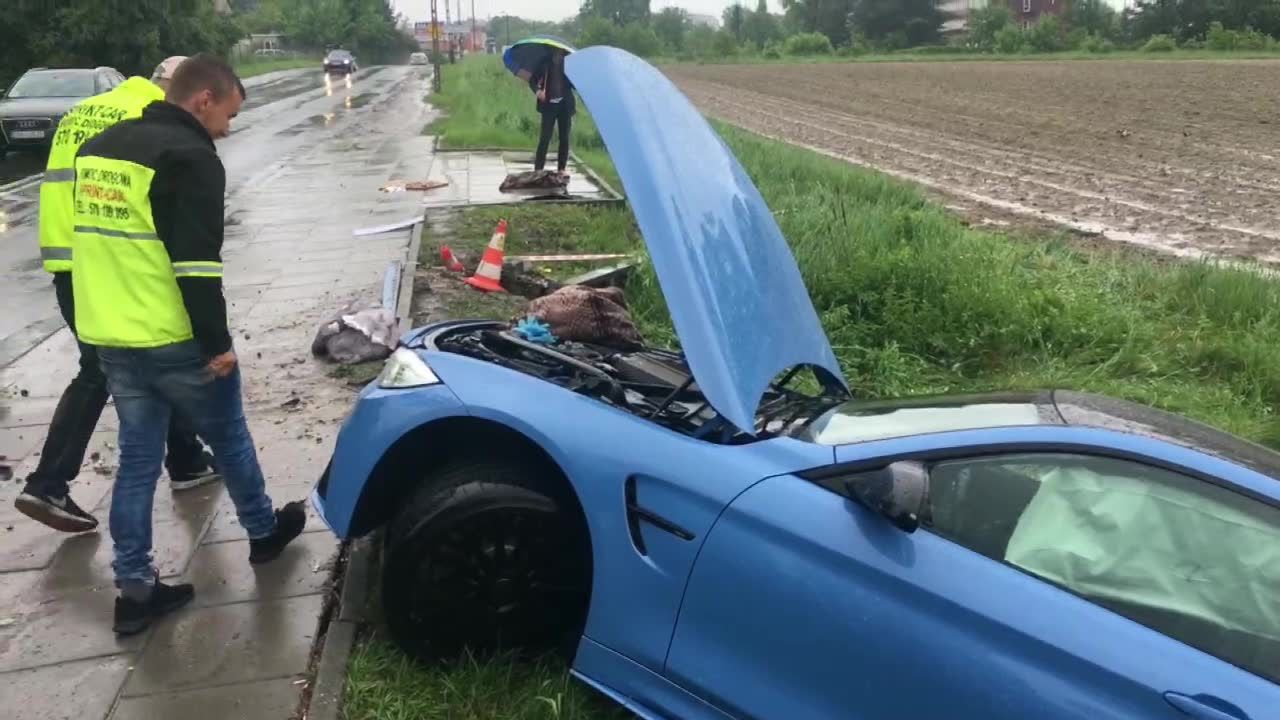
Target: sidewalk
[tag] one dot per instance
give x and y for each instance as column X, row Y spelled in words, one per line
column 242, row 649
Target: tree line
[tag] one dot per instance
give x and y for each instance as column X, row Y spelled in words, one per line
column 854, row 27
column 134, row 35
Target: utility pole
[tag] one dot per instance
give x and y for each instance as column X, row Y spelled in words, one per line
column 435, row 47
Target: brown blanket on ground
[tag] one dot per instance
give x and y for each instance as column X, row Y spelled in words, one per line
column 534, row 180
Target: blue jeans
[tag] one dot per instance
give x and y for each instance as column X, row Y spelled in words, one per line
column 146, row 384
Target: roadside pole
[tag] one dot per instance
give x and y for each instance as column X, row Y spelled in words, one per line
column 435, row 48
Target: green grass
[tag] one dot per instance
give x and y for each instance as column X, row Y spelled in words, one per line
column 384, row 684
column 249, row 68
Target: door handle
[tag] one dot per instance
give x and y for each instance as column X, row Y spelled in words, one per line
column 1205, row 707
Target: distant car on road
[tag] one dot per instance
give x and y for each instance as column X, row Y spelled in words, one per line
column 269, row 52
column 418, row 58
column 340, row 61
column 31, row 108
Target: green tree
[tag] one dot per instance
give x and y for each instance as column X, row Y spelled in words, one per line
column 829, row 17
column 671, row 25
column 1095, row 17
column 1045, row 36
column 597, row 31
column 985, row 23
column 917, row 22
column 618, row 12
column 760, row 27
column 735, row 20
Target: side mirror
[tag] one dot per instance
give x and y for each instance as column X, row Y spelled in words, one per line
column 898, row 492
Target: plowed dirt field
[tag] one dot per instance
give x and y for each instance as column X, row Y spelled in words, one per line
column 1181, row 157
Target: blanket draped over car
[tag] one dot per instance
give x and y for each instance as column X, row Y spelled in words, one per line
column 578, row 313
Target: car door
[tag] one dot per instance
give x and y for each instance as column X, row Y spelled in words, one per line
column 1039, row 585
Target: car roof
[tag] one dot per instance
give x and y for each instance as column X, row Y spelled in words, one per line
column 903, row 417
column 1108, row 413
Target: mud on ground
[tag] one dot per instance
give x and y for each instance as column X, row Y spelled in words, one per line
column 1179, row 156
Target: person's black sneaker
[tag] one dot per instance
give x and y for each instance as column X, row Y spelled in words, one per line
column 134, row 616
column 58, row 512
column 290, row 520
column 202, row 474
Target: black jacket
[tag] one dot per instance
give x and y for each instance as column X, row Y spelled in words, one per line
column 187, row 193
column 567, row 104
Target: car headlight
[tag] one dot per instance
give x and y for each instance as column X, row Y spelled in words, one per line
column 405, row 369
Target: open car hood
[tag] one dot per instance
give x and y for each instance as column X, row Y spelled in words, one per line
column 731, row 284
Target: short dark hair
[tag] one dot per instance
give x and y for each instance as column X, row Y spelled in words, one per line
column 203, row 72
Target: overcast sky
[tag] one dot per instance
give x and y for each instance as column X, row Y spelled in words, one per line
column 552, row 9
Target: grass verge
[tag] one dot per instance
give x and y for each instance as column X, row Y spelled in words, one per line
column 384, row 684
column 249, row 68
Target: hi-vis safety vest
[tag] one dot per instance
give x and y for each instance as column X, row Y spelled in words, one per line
column 88, row 118
column 126, row 287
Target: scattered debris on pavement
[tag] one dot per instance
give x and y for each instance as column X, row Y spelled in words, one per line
column 389, row 227
column 359, row 332
column 419, row 185
column 6, row 472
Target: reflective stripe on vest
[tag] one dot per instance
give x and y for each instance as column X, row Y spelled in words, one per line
column 85, row 120
column 126, row 289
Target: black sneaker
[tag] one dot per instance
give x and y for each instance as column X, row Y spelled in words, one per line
column 290, row 520
column 134, row 616
column 202, row 475
column 59, row 513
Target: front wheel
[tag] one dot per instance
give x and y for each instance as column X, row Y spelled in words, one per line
column 482, row 557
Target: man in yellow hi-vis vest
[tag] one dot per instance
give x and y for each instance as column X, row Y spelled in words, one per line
column 148, row 293
column 46, row 494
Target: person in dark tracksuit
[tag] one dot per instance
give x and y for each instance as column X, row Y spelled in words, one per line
column 557, row 106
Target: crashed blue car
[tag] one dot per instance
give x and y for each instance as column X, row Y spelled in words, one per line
column 707, row 537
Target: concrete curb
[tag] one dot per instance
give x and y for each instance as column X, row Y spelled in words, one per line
column 330, row 681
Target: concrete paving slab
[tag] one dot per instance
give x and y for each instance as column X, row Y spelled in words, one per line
column 245, row 701
column 83, row 563
column 17, row 443
column 26, row 412
column 51, row 627
column 71, row 691
column 222, row 574
column 32, row 546
column 228, row 644
column 226, row 527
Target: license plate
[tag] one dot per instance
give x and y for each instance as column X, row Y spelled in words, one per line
column 27, row 134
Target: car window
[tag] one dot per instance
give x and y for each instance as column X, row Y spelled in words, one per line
column 54, row 83
column 1183, row 556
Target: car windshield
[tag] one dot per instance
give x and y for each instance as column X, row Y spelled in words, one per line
column 339, row 55
column 53, row 83
column 860, row 421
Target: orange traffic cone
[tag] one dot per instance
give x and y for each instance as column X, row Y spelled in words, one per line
column 450, row 260
column 489, row 271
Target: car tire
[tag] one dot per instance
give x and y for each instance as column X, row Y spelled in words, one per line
column 482, row 558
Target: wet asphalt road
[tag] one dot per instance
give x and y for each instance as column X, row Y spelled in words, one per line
column 283, row 111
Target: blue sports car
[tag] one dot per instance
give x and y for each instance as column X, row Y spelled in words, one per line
column 707, row 540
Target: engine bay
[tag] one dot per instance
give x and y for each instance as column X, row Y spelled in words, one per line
column 650, row 383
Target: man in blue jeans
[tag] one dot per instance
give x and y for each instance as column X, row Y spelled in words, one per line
column 147, row 264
